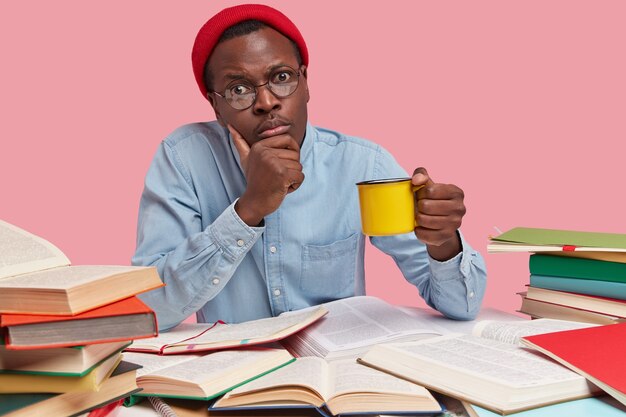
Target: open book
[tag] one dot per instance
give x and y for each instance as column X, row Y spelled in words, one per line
column 354, row 324
column 339, row 387
column 487, row 368
column 188, row 337
column 35, row 278
column 204, row 377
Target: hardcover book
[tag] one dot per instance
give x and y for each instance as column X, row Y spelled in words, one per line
column 122, row 320
column 36, row 278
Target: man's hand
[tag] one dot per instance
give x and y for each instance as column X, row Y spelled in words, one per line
column 439, row 212
column 272, row 169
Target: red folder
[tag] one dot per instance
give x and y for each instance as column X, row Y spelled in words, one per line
column 597, row 353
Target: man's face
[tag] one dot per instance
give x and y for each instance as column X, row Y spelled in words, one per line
column 253, row 58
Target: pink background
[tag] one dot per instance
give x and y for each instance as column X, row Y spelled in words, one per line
column 522, row 104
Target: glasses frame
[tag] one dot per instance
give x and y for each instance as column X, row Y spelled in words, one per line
column 298, row 72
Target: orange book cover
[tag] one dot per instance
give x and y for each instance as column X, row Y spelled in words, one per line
column 131, row 306
column 597, row 353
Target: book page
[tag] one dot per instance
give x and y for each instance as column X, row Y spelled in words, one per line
column 177, row 334
column 362, row 321
column 256, row 329
column 152, row 363
column 511, row 332
column 22, row 252
column 211, row 367
column 310, row 372
column 504, row 363
column 65, row 278
column 348, row 376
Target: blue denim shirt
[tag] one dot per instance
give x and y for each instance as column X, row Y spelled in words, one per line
column 309, row 251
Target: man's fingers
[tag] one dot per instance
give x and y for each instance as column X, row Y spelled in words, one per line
column 287, row 154
column 296, row 178
column 441, row 192
column 281, row 142
column 240, row 144
column 421, row 177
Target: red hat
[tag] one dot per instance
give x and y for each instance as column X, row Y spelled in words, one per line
column 210, row 33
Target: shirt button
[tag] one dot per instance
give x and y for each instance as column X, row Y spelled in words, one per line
column 216, row 281
column 240, row 242
column 277, row 292
column 273, row 249
column 471, row 294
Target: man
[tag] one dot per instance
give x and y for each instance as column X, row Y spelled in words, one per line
column 257, row 213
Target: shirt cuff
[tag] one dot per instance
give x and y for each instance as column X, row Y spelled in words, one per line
column 233, row 235
column 457, row 268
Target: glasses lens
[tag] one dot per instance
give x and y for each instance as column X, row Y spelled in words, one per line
column 284, row 81
column 240, row 96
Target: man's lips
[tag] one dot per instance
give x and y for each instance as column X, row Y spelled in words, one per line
column 272, row 130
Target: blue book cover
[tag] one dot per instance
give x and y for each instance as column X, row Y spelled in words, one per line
column 587, row 407
column 580, row 286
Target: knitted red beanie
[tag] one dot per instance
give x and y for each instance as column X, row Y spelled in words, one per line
column 210, row 33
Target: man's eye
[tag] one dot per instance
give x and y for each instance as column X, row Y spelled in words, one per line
column 240, row 89
column 282, row 77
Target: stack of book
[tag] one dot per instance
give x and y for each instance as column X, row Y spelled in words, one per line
column 574, row 275
column 63, row 328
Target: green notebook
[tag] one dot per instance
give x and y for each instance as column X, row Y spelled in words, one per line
column 530, row 239
column 590, row 269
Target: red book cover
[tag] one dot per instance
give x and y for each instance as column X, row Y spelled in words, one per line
column 126, row 307
column 597, row 353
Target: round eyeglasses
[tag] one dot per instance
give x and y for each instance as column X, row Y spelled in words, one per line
column 241, row 94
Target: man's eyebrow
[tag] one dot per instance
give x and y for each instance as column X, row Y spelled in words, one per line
column 241, row 76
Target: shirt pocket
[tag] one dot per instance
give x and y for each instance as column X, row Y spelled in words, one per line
column 328, row 271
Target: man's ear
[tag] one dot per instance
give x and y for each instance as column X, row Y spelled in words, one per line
column 305, row 84
column 213, row 102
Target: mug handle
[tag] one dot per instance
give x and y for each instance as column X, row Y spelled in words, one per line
column 414, row 189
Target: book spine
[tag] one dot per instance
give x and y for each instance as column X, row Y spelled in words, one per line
column 580, row 286
column 580, row 268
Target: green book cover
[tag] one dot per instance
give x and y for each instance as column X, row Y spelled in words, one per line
column 549, row 237
column 13, row 402
column 608, row 289
column 591, row 269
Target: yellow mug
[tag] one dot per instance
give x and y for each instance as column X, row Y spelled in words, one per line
column 387, row 206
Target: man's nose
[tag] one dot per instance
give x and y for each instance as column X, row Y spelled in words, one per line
column 265, row 101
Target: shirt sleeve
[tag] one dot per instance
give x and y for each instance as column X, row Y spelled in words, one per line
column 195, row 263
column 454, row 287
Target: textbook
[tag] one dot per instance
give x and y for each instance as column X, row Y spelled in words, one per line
column 596, row 353
column 36, row 278
column 527, row 239
column 607, row 289
column 126, row 319
column 204, row 377
column 488, row 368
column 201, row 337
column 597, row 304
column 11, row 383
column 70, row 361
column 541, row 309
column 580, row 268
column 354, row 324
column 120, row 384
column 341, row 387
